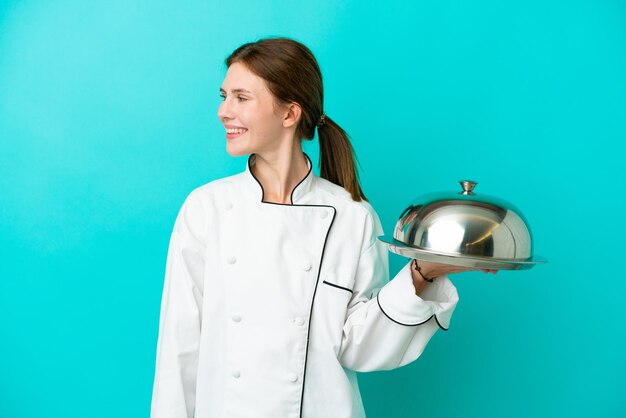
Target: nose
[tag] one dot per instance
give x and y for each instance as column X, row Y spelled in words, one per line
column 224, row 110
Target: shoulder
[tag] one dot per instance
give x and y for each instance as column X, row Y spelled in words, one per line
column 199, row 204
column 342, row 197
column 214, row 190
column 215, row 186
column 362, row 212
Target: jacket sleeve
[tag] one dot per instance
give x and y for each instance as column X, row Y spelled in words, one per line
column 387, row 324
column 174, row 388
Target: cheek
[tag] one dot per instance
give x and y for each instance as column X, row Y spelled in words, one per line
column 267, row 131
column 263, row 125
column 248, row 117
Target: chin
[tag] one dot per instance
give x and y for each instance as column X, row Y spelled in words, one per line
column 235, row 151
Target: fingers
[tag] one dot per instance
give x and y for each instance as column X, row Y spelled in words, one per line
column 437, row 269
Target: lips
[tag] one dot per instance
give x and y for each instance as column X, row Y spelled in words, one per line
column 232, row 133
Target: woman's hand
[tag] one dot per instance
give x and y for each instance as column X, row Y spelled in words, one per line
column 423, row 272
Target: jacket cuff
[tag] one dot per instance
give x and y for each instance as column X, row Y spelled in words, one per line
column 398, row 301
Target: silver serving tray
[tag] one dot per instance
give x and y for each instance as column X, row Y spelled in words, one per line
column 477, row 262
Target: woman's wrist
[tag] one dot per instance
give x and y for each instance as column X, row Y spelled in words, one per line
column 421, row 279
column 422, row 272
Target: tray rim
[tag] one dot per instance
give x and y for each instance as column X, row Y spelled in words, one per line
column 404, row 250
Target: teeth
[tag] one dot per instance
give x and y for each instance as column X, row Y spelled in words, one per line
column 235, row 130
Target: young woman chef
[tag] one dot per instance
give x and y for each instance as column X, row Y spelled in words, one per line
column 276, row 287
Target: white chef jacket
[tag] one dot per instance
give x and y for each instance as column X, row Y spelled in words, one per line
column 269, row 310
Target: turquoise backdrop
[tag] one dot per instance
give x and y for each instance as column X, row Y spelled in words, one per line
column 108, row 120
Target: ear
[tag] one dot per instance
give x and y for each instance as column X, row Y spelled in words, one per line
column 292, row 115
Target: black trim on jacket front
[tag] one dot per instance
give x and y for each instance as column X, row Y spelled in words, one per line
column 308, row 335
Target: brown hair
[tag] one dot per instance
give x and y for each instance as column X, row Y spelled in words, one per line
column 293, row 75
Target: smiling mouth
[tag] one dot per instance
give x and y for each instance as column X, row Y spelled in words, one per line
column 235, row 132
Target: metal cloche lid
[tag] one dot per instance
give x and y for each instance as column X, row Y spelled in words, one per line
column 464, row 229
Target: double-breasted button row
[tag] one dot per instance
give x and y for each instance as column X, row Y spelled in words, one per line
column 298, row 321
column 236, row 374
column 236, row 318
column 228, row 205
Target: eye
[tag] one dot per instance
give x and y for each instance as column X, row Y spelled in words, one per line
column 241, row 99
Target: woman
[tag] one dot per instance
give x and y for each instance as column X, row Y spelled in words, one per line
column 276, row 289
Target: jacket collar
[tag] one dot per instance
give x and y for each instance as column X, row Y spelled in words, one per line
column 301, row 189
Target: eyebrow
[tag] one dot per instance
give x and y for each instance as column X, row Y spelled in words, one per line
column 236, row 91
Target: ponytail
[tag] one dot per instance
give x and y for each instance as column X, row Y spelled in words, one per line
column 337, row 158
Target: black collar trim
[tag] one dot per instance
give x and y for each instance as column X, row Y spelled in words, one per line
column 307, row 176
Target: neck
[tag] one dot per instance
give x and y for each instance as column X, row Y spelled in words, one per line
column 279, row 172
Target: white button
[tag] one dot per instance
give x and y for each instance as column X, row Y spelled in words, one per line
column 228, row 206
column 236, row 318
column 307, row 267
column 292, row 377
column 324, row 214
column 231, row 260
column 298, row 321
column 236, row 374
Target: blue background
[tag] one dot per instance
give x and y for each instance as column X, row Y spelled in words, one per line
column 108, row 120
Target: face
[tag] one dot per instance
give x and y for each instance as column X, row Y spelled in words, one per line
column 253, row 124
